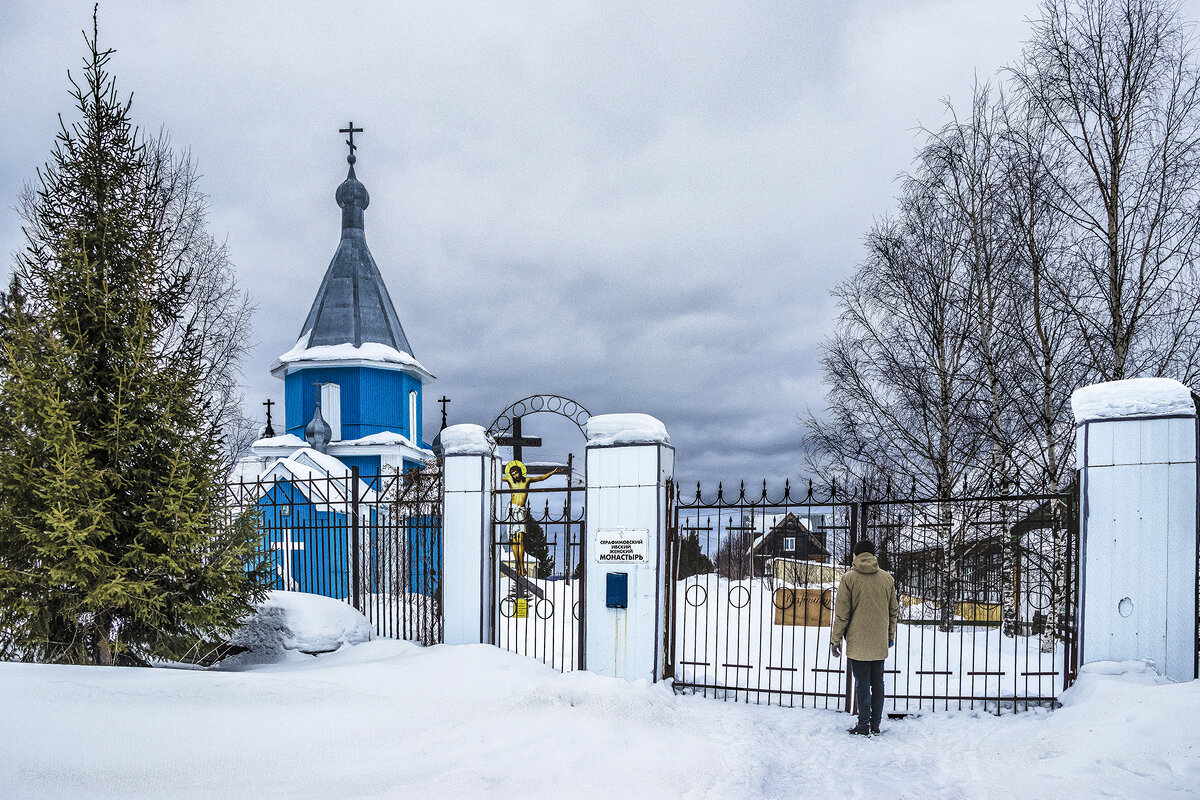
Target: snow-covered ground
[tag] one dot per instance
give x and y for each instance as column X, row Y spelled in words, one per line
column 392, row 719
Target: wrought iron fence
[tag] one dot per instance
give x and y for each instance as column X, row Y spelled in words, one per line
column 374, row 541
column 987, row 588
column 538, row 553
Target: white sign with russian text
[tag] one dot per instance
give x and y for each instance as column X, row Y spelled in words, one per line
column 623, row 546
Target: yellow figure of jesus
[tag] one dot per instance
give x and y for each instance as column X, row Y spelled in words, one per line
column 517, row 478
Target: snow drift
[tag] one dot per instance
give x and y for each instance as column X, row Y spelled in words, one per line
column 297, row 622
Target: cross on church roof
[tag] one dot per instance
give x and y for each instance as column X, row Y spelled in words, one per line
column 269, row 431
column 351, row 130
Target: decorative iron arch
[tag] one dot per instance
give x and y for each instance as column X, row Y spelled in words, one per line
column 539, row 404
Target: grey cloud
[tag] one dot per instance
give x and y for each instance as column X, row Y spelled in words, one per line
column 642, row 206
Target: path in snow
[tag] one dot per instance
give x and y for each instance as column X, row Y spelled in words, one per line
column 390, row 719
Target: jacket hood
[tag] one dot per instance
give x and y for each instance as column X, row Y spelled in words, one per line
column 866, row 563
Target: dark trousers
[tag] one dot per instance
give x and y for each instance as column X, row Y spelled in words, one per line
column 868, row 686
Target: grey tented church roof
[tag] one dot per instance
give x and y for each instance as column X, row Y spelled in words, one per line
column 352, row 306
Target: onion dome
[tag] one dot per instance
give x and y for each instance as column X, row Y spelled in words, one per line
column 318, row 433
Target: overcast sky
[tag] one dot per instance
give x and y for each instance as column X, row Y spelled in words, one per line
column 641, row 206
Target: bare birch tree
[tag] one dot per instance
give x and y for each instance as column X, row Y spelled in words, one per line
column 1116, row 83
column 1046, row 361
column 1041, row 241
column 1047, row 365
column 963, row 161
column 899, row 366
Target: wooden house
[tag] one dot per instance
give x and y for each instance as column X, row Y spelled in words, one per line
column 789, row 538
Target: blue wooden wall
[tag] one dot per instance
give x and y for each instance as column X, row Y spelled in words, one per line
column 373, row 400
column 311, row 546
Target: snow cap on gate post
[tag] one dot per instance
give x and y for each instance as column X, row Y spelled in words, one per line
column 463, row 440
column 629, row 461
column 1136, row 451
column 469, row 473
column 606, row 430
column 1136, row 397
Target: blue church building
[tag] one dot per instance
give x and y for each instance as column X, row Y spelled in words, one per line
column 352, row 398
column 352, row 386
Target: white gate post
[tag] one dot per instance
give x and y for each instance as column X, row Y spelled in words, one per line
column 1136, row 450
column 469, row 477
column 629, row 461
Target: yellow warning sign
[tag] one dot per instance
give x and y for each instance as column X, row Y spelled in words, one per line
column 522, row 608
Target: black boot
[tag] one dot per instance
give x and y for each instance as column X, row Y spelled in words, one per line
column 875, row 727
column 861, row 729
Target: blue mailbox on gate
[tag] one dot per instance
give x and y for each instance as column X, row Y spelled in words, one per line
column 617, row 590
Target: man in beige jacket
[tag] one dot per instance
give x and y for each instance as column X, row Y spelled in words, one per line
column 866, row 613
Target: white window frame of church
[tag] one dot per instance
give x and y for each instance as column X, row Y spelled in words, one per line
column 412, row 418
column 789, row 543
column 331, row 409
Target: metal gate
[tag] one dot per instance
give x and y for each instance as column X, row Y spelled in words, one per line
column 987, row 587
column 371, row 540
column 538, row 558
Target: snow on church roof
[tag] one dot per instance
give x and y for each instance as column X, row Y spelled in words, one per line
column 321, row 478
column 1136, row 397
column 383, row 439
column 369, row 351
column 283, row 440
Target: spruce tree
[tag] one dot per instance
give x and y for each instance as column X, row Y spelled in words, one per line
column 538, row 548
column 114, row 544
column 692, row 560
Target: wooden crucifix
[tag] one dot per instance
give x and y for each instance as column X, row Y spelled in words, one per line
column 517, row 441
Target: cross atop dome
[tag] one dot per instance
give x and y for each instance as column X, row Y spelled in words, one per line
column 350, row 129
